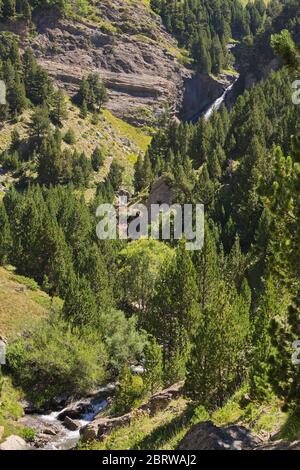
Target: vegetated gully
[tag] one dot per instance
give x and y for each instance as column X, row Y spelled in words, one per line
column 207, row 93
column 60, row 437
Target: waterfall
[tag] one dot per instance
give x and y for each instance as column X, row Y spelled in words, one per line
column 218, row 103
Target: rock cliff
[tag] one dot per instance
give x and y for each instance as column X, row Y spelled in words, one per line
column 126, row 43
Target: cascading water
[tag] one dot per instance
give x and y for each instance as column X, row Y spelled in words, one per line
column 65, row 439
column 218, row 103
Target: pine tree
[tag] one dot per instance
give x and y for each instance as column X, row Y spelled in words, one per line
column 206, row 262
column 176, row 313
column 40, row 123
column 97, row 158
column 50, row 160
column 217, row 361
column 153, row 375
column 214, row 167
column 147, row 177
column 9, row 8
column 70, row 137
column 16, row 96
column 204, row 188
column 80, row 307
column 129, row 390
column 94, row 268
column 83, row 110
column 284, row 46
column 59, row 112
column 260, row 371
column 138, row 174
column 26, row 10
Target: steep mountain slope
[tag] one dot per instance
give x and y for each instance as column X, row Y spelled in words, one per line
column 257, row 60
column 125, row 42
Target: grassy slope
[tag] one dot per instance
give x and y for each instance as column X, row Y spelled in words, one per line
column 10, row 409
column 119, row 139
column 20, row 302
column 167, row 428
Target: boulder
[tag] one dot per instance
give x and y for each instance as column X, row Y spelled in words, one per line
column 207, row 436
column 102, row 427
column 50, row 431
column 59, row 402
column 75, row 410
column 161, row 400
column 14, row 443
column 70, row 424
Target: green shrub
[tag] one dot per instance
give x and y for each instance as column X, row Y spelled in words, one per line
column 124, row 342
column 130, row 390
column 200, row 414
column 70, row 137
column 52, row 359
column 28, row 434
column 26, row 281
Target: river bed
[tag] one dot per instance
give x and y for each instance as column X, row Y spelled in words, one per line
column 51, row 432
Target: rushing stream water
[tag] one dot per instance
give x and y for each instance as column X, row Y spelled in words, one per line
column 64, row 439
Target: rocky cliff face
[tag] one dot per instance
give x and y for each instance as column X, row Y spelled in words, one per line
column 255, row 63
column 126, row 43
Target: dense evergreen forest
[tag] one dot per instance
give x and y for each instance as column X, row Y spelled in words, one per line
column 204, row 27
column 217, row 318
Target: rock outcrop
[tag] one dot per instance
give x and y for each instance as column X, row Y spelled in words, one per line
column 102, row 427
column 75, row 410
column 207, row 436
column 14, row 443
column 70, row 424
column 200, row 91
column 126, row 44
column 161, row 193
column 160, row 400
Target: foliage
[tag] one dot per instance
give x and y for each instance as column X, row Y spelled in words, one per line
column 204, row 27
column 140, row 265
column 52, row 359
column 129, row 391
column 153, row 375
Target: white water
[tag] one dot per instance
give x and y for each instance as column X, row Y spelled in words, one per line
column 218, row 103
column 66, row 439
